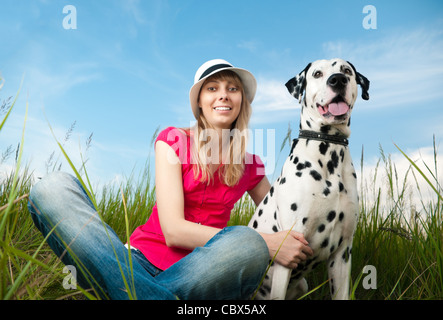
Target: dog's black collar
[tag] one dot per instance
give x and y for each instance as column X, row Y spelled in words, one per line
column 305, row 134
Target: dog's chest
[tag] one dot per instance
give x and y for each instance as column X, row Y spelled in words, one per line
column 316, row 194
column 321, row 181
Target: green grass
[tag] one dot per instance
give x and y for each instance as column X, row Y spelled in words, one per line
column 408, row 257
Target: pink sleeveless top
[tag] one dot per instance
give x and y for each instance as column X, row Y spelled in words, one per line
column 209, row 205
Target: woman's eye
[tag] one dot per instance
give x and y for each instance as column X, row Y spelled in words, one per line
column 211, row 89
column 233, row 89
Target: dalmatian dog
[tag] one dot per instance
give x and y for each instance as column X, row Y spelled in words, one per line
column 316, row 193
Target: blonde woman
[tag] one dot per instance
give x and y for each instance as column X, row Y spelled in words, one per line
column 184, row 250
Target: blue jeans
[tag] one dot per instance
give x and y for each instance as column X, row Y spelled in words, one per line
column 229, row 266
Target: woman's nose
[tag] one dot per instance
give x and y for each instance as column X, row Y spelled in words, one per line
column 223, row 95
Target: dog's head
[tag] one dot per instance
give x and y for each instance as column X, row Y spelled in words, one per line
column 330, row 88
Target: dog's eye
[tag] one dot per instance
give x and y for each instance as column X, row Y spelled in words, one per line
column 348, row 71
column 317, row 74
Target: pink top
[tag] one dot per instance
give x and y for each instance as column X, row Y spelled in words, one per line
column 209, row 205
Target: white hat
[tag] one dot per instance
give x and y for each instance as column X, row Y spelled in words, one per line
column 213, row 66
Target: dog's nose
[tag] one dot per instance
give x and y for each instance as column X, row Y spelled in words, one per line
column 337, row 81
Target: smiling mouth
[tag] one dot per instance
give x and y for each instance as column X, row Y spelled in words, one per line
column 222, row 108
column 337, row 108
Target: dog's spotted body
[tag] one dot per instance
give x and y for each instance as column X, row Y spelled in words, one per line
column 316, row 193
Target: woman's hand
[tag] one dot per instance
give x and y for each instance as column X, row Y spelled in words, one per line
column 294, row 249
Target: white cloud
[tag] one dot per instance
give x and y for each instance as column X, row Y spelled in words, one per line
column 273, row 103
column 391, row 177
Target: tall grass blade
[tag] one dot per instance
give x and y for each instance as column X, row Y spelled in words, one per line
column 421, row 173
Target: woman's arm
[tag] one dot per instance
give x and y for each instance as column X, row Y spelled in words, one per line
column 295, row 248
column 178, row 232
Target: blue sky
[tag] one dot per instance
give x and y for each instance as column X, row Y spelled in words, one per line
column 128, row 66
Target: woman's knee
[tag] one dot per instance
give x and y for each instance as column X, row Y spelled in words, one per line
column 248, row 245
column 49, row 186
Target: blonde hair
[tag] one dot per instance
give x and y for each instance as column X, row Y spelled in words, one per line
column 230, row 169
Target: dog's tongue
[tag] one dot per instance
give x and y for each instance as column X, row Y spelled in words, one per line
column 338, row 109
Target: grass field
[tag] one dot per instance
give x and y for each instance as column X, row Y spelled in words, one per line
column 406, row 253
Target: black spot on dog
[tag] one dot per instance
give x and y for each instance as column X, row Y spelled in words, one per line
column 340, row 241
column 265, row 201
column 294, row 207
column 304, row 220
column 321, row 228
column 283, row 180
column 294, row 143
column 324, row 146
column 354, row 175
column 342, row 155
column 315, row 265
column 326, row 192
column 328, row 183
column 334, row 63
column 325, row 243
column 341, row 216
column 331, row 216
column 299, row 173
column 274, row 228
column 315, row 175
column 346, row 255
column 275, row 215
column 332, row 249
column 333, row 163
column 341, row 186
column 260, row 212
column 332, row 264
column 305, row 165
column 295, row 160
column 255, row 224
column 271, row 191
column 320, row 163
column 308, row 123
column 325, row 129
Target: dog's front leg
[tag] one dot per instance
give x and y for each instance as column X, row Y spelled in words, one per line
column 339, row 270
column 280, row 281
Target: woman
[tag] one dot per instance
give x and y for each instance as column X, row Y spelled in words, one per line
column 184, row 250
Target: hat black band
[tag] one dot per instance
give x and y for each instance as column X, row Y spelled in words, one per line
column 213, row 68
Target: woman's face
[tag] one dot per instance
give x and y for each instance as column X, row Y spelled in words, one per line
column 220, row 101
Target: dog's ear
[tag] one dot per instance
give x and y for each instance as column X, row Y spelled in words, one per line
column 363, row 82
column 296, row 86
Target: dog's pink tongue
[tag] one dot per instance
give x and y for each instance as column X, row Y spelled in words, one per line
column 338, row 109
